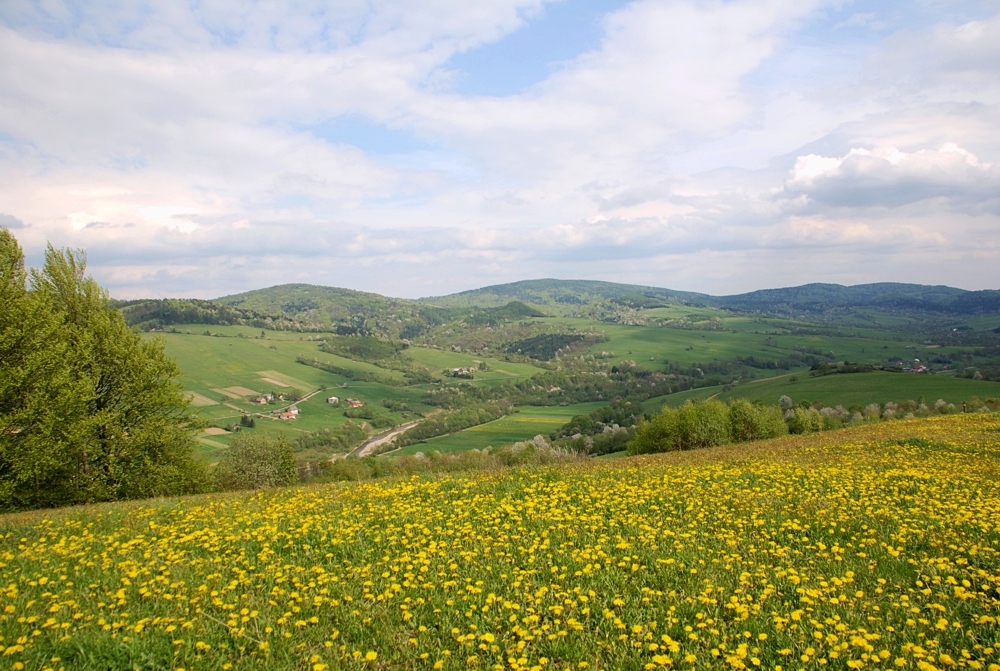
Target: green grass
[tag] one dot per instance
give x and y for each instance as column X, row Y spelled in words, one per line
column 524, row 425
column 743, row 336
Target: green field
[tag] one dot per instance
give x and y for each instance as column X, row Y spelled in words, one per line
column 846, row 390
column 524, row 425
column 210, row 364
column 768, row 339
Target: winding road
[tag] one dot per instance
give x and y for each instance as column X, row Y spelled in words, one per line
column 367, row 447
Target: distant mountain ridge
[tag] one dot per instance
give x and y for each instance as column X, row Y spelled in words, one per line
column 317, row 308
column 812, row 298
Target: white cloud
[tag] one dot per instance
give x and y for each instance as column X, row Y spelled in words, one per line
column 176, row 143
column 888, row 177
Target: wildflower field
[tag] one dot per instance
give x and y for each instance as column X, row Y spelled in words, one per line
column 872, row 547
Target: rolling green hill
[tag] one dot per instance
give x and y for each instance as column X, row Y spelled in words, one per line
column 565, row 343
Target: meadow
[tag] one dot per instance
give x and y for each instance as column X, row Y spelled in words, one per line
column 869, row 548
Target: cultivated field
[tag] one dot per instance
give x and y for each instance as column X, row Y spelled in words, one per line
column 875, row 547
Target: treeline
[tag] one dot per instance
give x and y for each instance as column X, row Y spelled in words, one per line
column 566, row 387
column 707, row 424
column 843, row 367
column 89, row 410
column 320, row 445
column 603, row 431
column 520, row 454
column 546, row 346
column 148, row 314
column 710, row 423
column 378, row 352
column 351, row 373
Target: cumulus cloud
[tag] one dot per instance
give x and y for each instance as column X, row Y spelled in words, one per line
column 187, row 146
column 888, row 177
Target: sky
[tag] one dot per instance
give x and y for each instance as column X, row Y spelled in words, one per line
column 418, row 148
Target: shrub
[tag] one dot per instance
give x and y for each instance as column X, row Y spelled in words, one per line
column 255, row 461
column 805, row 420
column 749, row 421
column 703, row 424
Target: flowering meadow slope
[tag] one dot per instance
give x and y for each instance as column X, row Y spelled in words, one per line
column 874, row 547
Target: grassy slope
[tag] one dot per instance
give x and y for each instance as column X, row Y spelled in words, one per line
column 210, row 363
column 524, row 425
column 649, row 346
column 885, row 535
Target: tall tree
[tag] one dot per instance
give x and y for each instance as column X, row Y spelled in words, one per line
column 91, row 411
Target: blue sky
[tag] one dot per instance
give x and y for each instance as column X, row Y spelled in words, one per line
column 200, row 149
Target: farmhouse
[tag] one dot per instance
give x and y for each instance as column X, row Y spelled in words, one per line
column 333, row 400
column 294, row 410
column 354, row 403
column 462, row 372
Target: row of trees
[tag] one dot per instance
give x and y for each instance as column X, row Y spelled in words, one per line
column 707, row 424
column 89, row 411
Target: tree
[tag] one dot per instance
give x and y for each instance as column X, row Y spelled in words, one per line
column 91, row 411
column 39, row 393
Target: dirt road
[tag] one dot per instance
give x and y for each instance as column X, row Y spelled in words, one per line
column 369, row 445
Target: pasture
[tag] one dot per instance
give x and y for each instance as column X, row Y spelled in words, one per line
column 873, row 547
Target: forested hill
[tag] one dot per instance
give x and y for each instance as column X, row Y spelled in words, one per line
column 567, row 296
column 821, row 298
column 305, row 307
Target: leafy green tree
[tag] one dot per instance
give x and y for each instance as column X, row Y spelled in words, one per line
column 91, row 411
column 40, row 396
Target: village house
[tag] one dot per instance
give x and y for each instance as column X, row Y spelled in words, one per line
column 333, row 400
column 354, row 403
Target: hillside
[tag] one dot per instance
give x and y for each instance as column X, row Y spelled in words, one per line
column 858, row 548
column 819, row 299
column 568, row 296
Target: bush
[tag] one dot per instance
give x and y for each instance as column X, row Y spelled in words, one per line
column 805, row 420
column 704, row 424
column 749, row 421
column 255, row 461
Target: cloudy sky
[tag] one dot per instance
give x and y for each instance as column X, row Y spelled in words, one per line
column 421, row 147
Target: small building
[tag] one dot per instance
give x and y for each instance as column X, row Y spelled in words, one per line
column 333, row 400
column 354, row 403
column 294, row 410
